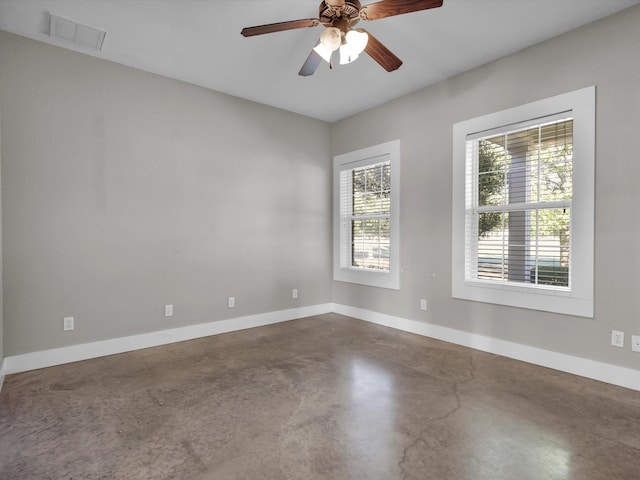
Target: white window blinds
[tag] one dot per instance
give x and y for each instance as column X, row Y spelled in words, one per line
column 519, row 190
column 365, row 199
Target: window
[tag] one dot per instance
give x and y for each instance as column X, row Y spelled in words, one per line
column 523, row 205
column 366, row 208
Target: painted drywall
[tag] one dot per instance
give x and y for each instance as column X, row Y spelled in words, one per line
column 603, row 54
column 124, row 191
column 1, row 274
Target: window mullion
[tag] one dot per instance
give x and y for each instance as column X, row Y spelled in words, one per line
column 515, row 207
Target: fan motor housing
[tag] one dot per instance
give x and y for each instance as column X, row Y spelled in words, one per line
column 332, row 10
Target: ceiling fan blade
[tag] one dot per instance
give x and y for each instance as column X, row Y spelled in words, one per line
column 382, row 54
column 389, row 8
column 279, row 27
column 311, row 63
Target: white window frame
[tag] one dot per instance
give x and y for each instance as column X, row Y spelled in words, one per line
column 578, row 299
column 342, row 271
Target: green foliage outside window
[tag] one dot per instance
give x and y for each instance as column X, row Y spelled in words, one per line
column 370, row 227
column 549, row 171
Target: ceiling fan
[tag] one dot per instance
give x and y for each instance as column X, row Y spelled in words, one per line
column 339, row 17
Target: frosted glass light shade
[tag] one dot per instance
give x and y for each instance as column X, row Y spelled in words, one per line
column 324, row 52
column 331, row 38
column 355, row 44
column 347, row 55
column 357, row 40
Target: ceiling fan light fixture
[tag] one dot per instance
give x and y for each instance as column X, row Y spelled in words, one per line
column 331, row 38
column 357, row 40
column 347, row 56
column 324, row 52
column 355, row 43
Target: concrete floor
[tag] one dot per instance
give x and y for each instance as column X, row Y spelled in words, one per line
column 326, row 397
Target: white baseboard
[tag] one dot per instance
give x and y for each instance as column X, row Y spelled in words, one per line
column 85, row 351
column 604, row 372
column 616, row 375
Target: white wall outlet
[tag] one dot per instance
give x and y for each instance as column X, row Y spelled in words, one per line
column 423, row 304
column 67, row 324
column 635, row 343
column 617, row 338
column 231, row 303
column 294, row 293
column 168, row 310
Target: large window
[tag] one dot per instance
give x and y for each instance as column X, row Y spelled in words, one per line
column 366, row 216
column 523, row 205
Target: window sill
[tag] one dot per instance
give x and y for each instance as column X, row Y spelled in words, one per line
column 371, row 278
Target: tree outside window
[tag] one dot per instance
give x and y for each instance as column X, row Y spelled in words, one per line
column 524, row 192
column 371, row 208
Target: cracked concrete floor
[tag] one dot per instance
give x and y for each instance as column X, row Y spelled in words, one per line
column 325, row 397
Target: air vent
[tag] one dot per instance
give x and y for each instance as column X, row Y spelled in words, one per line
column 82, row 35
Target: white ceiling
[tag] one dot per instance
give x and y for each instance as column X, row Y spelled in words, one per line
column 199, row 41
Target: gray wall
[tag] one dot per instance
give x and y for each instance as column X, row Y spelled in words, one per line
column 605, row 54
column 1, row 259
column 125, row 191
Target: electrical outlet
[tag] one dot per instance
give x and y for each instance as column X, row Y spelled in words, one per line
column 168, row 310
column 67, row 324
column 423, row 304
column 617, row 338
column 231, row 303
column 294, row 294
column 635, row 343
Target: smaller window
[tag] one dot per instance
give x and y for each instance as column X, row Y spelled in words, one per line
column 366, row 184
